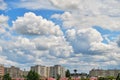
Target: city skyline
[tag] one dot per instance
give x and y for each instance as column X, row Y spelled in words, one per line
column 77, row 34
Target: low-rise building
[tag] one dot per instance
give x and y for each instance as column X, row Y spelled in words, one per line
column 104, row 73
column 79, row 75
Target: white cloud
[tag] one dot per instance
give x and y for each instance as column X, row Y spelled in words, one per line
column 32, row 24
column 63, row 5
column 43, row 42
column 118, row 42
column 57, row 46
column 4, row 60
column 4, row 27
column 100, row 46
column 95, row 7
column 86, row 14
column 71, row 20
column 3, row 5
column 38, row 4
column 50, row 43
column 81, row 39
column 0, row 49
column 3, row 21
column 105, row 14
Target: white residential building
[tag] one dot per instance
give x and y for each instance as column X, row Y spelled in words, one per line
column 57, row 70
column 41, row 70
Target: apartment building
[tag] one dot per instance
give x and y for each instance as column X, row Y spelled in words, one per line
column 57, row 70
column 15, row 72
column 104, row 73
column 41, row 70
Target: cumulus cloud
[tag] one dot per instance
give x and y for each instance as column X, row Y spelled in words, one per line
column 3, row 5
column 35, row 25
column 56, row 46
column 82, row 39
column 48, row 44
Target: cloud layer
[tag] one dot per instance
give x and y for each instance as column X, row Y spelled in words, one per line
column 71, row 40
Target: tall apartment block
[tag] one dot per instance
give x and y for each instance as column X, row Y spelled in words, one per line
column 41, row 70
column 52, row 71
column 57, row 70
column 1, row 70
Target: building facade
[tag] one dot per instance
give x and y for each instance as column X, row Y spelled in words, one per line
column 1, row 71
column 57, row 70
column 104, row 73
column 41, row 70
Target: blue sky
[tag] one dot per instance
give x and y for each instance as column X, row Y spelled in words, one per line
column 78, row 34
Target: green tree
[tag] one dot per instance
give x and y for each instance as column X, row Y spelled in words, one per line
column 110, row 77
column 102, row 78
column 7, row 77
column 1, row 77
column 118, row 76
column 58, row 77
column 67, row 73
column 32, row 75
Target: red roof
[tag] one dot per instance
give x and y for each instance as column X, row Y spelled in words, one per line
column 93, row 78
column 50, row 78
column 76, row 78
column 63, row 79
column 19, row 79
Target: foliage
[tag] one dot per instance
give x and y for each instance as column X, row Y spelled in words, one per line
column 118, row 76
column 101, row 78
column 58, row 77
column 7, row 77
column 110, row 77
column 106, row 78
column 32, row 75
column 67, row 74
